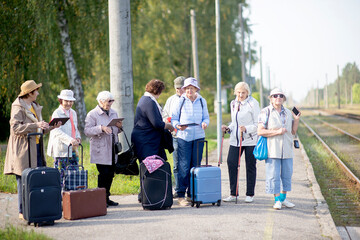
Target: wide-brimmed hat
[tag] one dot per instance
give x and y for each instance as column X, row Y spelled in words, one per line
column 67, row 95
column 28, row 87
column 179, row 82
column 191, row 81
column 277, row 91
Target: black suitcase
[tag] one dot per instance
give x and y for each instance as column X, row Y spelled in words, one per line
column 156, row 187
column 41, row 192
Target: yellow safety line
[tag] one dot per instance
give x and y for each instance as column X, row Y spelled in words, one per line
column 269, row 225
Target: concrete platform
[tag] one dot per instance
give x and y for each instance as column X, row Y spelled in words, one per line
column 310, row 219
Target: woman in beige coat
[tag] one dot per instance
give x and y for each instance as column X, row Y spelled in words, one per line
column 25, row 118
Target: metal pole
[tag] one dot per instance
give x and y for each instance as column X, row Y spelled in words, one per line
column 218, row 79
column 194, row 45
column 338, row 87
column 243, row 61
column 269, row 77
column 326, row 92
column 121, row 73
column 261, row 82
column 249, row 49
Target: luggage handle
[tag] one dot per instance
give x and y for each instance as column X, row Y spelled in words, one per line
column 40, row 142
column 197, row 153
column 82, row 159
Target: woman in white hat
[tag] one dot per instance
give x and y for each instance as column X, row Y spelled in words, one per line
column 191, row 108
column 65, row 135
column 25, row 118
column 278, row 124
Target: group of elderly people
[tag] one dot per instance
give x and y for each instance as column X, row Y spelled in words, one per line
column 185, row 115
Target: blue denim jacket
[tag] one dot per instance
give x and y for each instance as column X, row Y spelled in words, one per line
column 191, row 112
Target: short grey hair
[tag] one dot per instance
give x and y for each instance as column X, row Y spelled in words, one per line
column 104, row 95
column 243, row 85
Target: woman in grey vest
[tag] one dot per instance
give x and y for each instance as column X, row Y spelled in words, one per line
column 278, row 124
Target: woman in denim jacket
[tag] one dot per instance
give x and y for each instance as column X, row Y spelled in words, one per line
column 191, row 118
column 244, row 120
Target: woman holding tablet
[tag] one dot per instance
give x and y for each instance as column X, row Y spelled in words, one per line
column 101, row 140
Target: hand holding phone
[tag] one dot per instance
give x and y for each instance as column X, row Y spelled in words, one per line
column 295, row 111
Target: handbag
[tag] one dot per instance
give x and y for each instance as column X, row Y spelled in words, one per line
column 261, row 151
column 127, row 161
column 74, row 177
column 116, row 145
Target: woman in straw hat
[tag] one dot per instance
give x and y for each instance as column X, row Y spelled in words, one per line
column 278, row 124
column 65, row 135
column 25, row 118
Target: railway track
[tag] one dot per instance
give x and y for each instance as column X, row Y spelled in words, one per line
column 344, row 148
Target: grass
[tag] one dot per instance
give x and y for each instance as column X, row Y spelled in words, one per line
column 334, row 185
column 17, row 233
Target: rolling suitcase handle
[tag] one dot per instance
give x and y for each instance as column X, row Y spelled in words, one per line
column 197, row 152
column 40, row 142
column 82, row 156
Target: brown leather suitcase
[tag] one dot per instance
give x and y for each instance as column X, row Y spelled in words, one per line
column 84, row 203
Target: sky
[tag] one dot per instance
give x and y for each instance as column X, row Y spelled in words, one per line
column 303, row 41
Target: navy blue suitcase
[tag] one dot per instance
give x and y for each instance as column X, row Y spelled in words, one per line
column 156, row 187
column 41, row 189
column 205, row 183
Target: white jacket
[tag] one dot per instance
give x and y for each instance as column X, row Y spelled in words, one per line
column 60, row 138
column 247, row 116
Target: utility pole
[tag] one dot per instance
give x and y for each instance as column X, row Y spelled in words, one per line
column 317, row 95
column 194, row 45
column 121, row 72
column 268, row 68
column 261, row 82
column 218, row 79
column 338, row 87
column 326, row 99
column 243, row 61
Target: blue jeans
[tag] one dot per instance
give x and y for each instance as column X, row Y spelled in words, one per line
column 278, row 175
column 187, row 158
column 175, row 160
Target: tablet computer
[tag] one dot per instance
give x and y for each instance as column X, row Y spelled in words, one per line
column 188, row 124
column 56, row 120
column 114, row 121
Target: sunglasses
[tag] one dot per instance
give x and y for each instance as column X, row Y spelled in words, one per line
column 278, row 96
column 111, row 101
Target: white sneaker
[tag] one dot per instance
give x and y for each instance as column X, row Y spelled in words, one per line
column 277, row 205
column 183, row 202
column 288, row 204
column 230, row 199
column 249, row 199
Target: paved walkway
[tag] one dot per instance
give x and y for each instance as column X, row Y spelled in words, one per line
column 310, row 219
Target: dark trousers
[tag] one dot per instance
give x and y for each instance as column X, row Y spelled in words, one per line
column 105, row 177
column 232, row 161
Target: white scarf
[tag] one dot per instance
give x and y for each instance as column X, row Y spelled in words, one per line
column 152, row 98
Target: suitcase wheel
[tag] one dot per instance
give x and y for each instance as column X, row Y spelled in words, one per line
column 218, row 203
column 197, row 204
column 213, row 203
column 192, row 204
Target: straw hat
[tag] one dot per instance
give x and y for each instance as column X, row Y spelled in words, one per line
column 67, row 95
column 28, row 87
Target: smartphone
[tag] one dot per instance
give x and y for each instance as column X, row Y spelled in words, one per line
column 296, row 111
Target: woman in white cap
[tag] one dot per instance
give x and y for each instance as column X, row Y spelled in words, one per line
column 191, row 109
column 25, row 118
column 65, row 135
column 101, row 140
column 278, row 124
column 244, row 120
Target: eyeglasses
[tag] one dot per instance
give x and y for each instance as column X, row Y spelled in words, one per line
column 111, row 101
column 278, row 96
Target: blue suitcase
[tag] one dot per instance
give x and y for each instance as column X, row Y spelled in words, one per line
column 205, row 183
column 41, row 189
